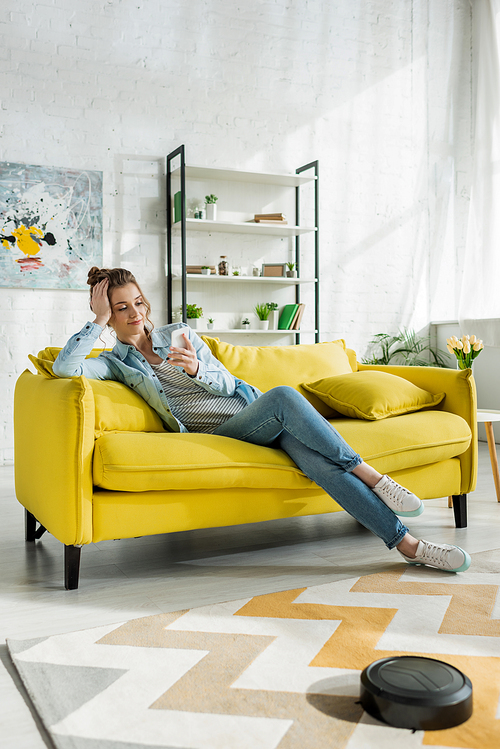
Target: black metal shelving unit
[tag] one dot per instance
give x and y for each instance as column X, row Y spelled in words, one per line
column 179, row 153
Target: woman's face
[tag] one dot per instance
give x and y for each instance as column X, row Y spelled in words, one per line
column 128, row 311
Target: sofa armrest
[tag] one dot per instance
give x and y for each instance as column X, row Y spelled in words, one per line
column 53, row 447
column 460, row 399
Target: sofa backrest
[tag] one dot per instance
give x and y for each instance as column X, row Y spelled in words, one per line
column 117, row 407
column 266, row 367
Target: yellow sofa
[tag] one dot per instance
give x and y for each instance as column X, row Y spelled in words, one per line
column 93, row 461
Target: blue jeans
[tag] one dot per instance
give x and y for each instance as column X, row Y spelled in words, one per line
column 283, row 418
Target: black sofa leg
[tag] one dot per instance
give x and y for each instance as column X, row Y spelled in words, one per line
column 460, row 510
column 71, row 566
column 32, row 533
column 29, row 526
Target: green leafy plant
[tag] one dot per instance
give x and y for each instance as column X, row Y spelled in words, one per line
column 262, row 311
column 290, row 266
column 211, row 198
column 236, row 273
column 211, row 320
column 205, row 267
column 405, row 347
column 246, row 322
column 193, row 312
column 272, row 306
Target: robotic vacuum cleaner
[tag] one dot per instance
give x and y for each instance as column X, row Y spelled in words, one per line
column 416, row 692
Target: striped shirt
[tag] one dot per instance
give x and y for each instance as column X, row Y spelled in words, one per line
column 195, row 407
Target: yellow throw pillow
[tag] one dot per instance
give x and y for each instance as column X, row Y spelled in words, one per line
column 266, row 367
column 372, row 395
column 42, row 366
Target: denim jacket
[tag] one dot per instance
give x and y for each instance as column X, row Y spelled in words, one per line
column 125, row 364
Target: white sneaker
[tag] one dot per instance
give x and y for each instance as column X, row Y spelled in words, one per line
column 442, row 556
column 397, row 498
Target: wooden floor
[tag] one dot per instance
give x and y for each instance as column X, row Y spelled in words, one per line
column 133, row 578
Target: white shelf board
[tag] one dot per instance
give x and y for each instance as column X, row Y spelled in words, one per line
column 252, row 331
column 244, row 227
column 245, row 279
column 236, row 175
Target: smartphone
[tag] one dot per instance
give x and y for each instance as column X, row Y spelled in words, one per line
column 177, row 339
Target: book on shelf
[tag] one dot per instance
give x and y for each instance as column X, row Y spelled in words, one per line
column 270, row 215
column 287, row 315
column 197, row 269
column 297, row 318
column 177, row 206
column 275, row 222
column 270, row 218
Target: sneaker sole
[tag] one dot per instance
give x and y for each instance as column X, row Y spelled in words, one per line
column 465, row 566
column 413, row 513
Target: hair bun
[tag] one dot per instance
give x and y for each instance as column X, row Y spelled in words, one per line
column 94, row 276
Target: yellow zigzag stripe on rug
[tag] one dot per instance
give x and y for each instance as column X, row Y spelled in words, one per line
column 318, row 720
column 353, row 645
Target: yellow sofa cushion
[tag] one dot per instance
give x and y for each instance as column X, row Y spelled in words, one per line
column 118, row 408
column 408, row 441
column 43, row 366
column 266, row 367
column 372, row 395
column 126, row 461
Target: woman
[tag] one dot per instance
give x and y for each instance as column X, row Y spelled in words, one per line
column 192, row 391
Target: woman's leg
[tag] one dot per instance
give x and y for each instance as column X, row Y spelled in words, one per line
column 284, row 417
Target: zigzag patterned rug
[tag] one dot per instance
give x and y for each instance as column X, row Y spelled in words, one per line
column 279, row 670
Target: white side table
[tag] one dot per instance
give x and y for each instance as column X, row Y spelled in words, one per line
column 487, row 418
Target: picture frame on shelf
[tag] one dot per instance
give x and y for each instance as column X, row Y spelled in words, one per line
column 276, row 270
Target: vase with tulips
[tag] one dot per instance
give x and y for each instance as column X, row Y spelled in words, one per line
column 465, row 349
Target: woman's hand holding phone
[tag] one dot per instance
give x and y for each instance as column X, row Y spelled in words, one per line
column 183, row 353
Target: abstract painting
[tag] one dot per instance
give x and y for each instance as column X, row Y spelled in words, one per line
column 50, row 226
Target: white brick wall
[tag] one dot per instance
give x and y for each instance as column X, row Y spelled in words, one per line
column 367, row 88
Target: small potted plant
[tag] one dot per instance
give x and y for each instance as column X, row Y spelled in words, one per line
column 211, row 206
column 273, row 315
column 245, row 323
column 193, row 314
column 262, row 311
column 205, row 270
column 210, row 323
column 291, row 272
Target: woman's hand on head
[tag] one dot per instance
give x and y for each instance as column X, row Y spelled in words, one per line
column 100, row 303
column 184, row 357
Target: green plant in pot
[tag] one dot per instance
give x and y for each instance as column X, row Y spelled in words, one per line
column 405, row 347
column 211, row 206
column 273, row 315
column 193, row 314
column 291, row 272
column 262, row 311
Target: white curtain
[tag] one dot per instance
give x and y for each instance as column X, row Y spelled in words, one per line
column 479, row 309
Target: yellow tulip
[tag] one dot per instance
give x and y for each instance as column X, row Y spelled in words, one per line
column 459, row 345
column 478, row 345
column 466, row 347
column 465, row 338
column 473, row 339
column 450, row 348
